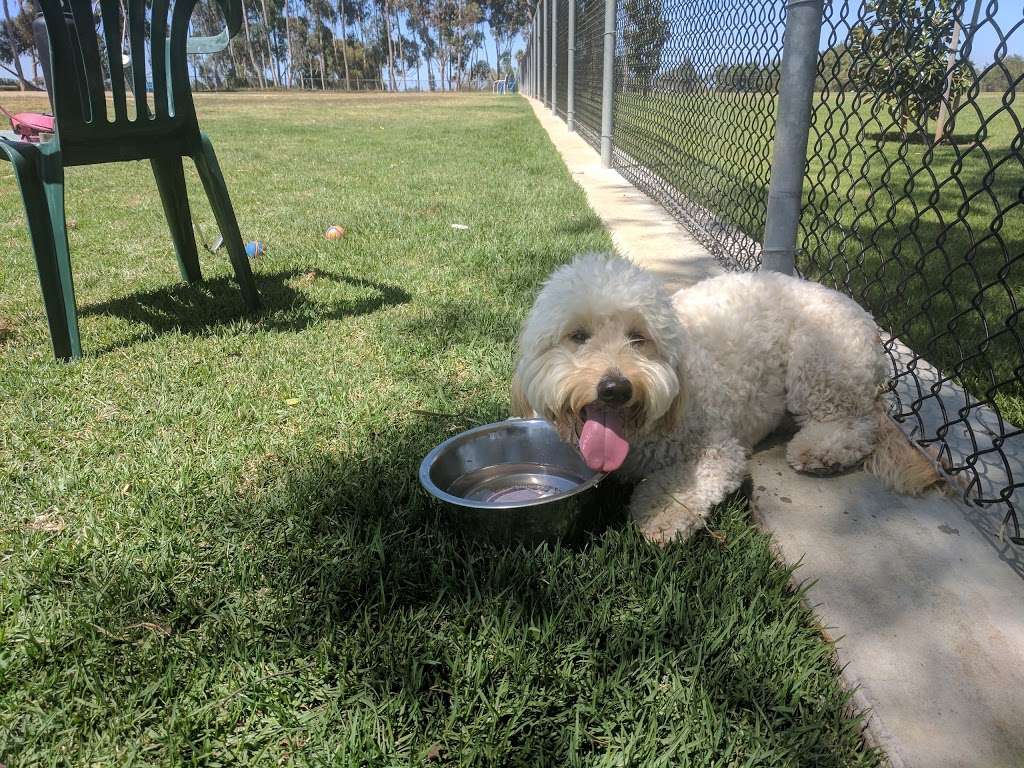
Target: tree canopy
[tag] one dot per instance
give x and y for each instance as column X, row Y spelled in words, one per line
column 645, row 33
column 901, row 52
column 319, row 44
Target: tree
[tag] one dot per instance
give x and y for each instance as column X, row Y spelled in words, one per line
column 324, row 44
column 1004, row 75
column 834, row 70
column 900, row 52
column 506, row 19
column 13, row 44
column 645, row 33
column 682, row 78
column 746, row 77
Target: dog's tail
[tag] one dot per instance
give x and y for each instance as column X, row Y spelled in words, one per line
column 898, row 463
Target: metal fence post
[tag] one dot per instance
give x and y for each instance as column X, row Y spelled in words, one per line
column 607, row 83
column 548, row 49
column 570, row 70
column 532, row 65
column 539, row 92
column 543, row 53
column 798, row 72
column 540, row 50
column 524, row 69
column 554, row 57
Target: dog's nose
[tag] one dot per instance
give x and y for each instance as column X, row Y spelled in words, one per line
column 614, row 389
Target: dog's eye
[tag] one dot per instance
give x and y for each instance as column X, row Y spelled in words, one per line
column 636, row 338
column 579, row 336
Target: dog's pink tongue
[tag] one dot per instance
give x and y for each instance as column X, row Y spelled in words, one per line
column 601, row 441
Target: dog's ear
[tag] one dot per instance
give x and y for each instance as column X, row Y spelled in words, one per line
column 520, row 405
column 667, row 424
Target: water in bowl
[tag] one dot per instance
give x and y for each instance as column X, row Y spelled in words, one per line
column 514, row 483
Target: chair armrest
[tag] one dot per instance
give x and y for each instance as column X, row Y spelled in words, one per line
column 232, row 10
column 232, row 14
column 213, row 44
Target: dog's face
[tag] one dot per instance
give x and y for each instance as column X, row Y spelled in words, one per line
column 599, row 358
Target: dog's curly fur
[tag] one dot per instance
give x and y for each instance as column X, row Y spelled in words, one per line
column 714, row 369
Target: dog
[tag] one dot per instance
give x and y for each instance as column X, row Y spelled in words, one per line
column 674, row 391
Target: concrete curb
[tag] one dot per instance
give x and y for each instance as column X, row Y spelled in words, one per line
column 929, row 615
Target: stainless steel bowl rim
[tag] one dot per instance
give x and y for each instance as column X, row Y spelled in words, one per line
column 433, row 490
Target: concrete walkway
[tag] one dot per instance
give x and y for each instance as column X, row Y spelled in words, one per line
column 637, row 224
column 926, row 606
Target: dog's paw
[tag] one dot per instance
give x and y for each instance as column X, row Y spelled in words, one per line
column 828, row 448
column 663, row 519
column 809, row 464
column 665, row 532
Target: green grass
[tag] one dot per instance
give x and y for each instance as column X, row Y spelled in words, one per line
column 885, row 220
column 213, row 548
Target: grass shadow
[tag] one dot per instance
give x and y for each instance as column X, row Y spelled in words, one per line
column 202, row 308
column 587, row 225
column 415, row 567
column 336, row 571
column 918, row 137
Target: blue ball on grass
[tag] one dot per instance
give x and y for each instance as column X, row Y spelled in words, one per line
column 255, row 248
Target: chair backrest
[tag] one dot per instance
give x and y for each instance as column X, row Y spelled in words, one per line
column 84, row 60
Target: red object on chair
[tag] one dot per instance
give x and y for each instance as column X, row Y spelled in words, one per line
column 29, row 125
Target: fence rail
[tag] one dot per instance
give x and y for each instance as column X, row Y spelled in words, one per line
column 912, row 182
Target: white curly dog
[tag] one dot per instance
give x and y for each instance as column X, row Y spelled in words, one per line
column 675, row 391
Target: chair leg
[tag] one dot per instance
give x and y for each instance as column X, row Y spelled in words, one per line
column 53, row 262
column 217, row 192
column 53, row 186
column 170, row 180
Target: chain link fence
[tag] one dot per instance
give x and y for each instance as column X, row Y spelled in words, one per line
column 589, row 54
column 695, row 113
column 913, row 193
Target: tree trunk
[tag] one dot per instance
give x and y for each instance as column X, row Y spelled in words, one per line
column 430, row 72
column 944, row 105
column 318, row 20
column 361, row 26
column 344, row 44
column 248, row 47
column 400, row 53
column 234, row 62
column 275, row 72
column 391, row 49
column 263, row 69
column 13, row 36
column 288, row 70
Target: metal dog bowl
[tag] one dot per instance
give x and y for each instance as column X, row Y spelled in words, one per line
column 513, row 481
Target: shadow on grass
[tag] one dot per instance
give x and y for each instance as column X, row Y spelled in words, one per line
column 587, row 225
column 202, row 308
column 372, row 557
column 334, row 568
column 919, row 137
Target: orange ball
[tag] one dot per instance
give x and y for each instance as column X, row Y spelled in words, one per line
column 334, row 232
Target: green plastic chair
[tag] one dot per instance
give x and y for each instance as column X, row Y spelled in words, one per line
column 163, row 133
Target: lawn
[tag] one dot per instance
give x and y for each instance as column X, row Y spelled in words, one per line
column 213, row 548
column 928, row 239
